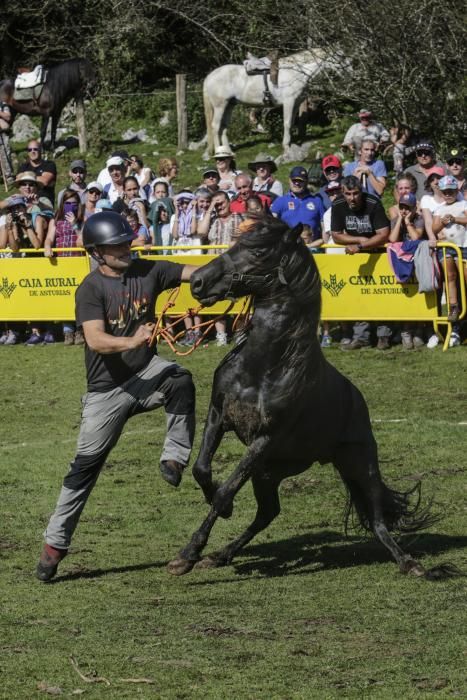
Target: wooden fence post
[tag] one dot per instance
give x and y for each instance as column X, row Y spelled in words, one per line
column 180, row 88
column 81, row 125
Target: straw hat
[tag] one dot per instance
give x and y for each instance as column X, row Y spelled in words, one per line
column 223, row 152
column 27, row 176
column 263, row 158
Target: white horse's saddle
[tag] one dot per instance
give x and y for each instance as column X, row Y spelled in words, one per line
column 31, row 79
column 255, row 66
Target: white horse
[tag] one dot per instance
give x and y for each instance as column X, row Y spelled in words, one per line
column 227, row 85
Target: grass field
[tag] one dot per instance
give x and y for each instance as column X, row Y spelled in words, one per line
column 302, row 613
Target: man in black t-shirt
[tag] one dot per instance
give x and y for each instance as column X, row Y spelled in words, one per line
column 359, row 222
column 115, row 306
column 44, row 170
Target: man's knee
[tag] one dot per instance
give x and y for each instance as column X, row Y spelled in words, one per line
column 83, row 471
column 179, row 392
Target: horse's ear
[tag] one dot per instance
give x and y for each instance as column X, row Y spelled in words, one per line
column 293, row 234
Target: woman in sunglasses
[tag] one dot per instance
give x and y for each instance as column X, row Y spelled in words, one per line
column 455, row 164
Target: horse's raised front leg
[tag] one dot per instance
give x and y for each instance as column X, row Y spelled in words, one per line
column 266, row 490
column 202, row 468
column 222, row 505
column 223, row 498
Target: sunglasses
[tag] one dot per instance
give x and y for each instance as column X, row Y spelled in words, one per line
column 78, row 170
column 296, row 181
column 455, row 161
column 27, row 184
column 331, row 169
column 423, row 153
column 34, row 149
column 93, row 191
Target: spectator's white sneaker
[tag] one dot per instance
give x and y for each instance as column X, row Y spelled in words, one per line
column 221, row 339
column 454, row 340
column 433, row 342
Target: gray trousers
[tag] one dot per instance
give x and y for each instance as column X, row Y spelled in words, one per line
column 5, row 155
column 361, row 331
column 104, row 415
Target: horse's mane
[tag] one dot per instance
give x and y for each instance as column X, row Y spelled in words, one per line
column 300, row 272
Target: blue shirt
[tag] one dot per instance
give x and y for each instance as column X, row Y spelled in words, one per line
column 378, row 169
column 293, row 210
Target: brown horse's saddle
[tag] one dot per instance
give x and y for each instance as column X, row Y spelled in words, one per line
column 28, row 85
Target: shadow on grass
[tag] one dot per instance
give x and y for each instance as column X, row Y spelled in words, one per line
column 328, row 550
column 85, row 573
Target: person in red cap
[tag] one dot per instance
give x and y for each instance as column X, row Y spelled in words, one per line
column 332, row 171
column 366, row 128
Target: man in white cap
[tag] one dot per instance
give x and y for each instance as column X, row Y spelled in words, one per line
column 114, row 189
column 367, row 127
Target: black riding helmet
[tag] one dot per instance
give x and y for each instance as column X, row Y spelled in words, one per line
column 106, row 228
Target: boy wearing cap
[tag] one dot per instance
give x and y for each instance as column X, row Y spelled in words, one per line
column 332, row 171
column 426, row 160
column 455, row 163
column 299, row 205
column 77, row 173
column 366, row 128
column 450, row 225
column 408, row 224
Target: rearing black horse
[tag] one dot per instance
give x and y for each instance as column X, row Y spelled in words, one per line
column 65, row 81
column 286, row 403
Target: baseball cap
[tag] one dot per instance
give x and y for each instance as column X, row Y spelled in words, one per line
column 333, row 186
column 210, row 171
column 408, row 199
column 114, row 160
column 365, row 112
column 94, row 186
column 78, row 164
column 330, row 162
column 424, row 146
column 435, row 170
column 455, row 153
column 448, row 182
column 299, row 173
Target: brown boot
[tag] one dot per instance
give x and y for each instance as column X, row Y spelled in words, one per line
column 48, row 563
column 79, row 338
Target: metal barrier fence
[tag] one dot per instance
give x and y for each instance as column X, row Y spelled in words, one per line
column 359, row 287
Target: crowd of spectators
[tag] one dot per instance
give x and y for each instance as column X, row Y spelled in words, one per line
column 345, row 209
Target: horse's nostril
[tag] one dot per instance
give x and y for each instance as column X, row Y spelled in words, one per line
column 197, row 285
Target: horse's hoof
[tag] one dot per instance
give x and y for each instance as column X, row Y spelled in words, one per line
column 210, row 562
column 179, row 567
column 413, row 568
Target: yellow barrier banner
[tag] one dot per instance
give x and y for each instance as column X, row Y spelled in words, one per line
column 40, row 289
column 354, row 287
column 363, row 287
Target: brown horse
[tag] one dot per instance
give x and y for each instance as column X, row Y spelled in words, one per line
column 65, row 81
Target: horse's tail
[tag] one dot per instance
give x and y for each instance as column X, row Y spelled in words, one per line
column 208, row 114
column 403, row 513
